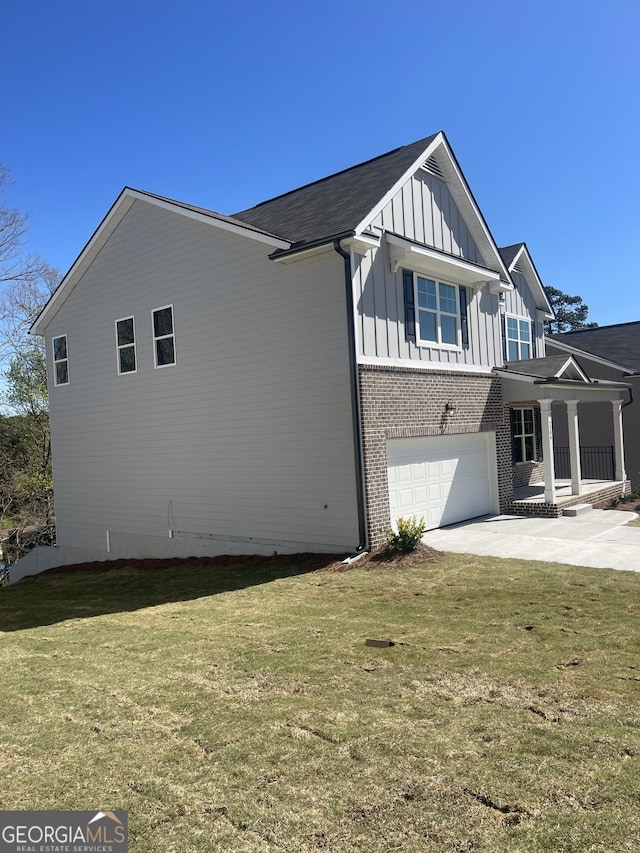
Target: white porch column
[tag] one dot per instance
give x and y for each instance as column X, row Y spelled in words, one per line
column 547, row 449
column 618, row 440
column 574, row 447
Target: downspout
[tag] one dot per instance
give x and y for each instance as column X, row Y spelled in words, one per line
column 355, row 400
column 630, row 400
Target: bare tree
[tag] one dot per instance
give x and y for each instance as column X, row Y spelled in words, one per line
column 26, row 281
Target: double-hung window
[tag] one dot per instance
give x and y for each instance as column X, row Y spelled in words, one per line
column 523, row 435
column 164, row 337
column 518, row 339
column 438, row 313
column 126, row 345
column 60, row 361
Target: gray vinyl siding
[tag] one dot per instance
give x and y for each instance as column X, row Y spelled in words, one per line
column 520, row 303
column 379, row 298
column 247, row 435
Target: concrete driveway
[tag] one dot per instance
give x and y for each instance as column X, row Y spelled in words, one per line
column 598, row 539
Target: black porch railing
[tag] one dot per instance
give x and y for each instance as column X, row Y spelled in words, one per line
column 596, row 463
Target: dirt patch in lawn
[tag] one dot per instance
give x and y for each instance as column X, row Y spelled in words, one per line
column 381, row 557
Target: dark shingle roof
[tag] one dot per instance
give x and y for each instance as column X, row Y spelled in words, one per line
column 543, row 368
column 508, row 253
column 334, row 205
column 619, row 343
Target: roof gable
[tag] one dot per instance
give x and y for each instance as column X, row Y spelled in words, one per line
column 518, row 259
column 551, row 367
column 114, row 217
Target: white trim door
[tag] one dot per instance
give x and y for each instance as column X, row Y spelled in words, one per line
column 446, row 478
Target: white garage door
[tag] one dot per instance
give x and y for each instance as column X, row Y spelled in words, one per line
column 444, row 478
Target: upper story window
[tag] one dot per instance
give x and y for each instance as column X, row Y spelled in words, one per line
column 163, row 336
column 60, row 361
column 126, row 345
column 438, row 312
column 518, row 339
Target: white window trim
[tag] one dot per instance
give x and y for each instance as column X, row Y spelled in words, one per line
column 57, row 361
column 532, row 332
column 457, row 347
column 521, row 438
column 163, row 337
column 124, row 346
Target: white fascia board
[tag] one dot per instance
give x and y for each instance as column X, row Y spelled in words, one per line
column 462, row 195
column 520, row 388
column 423, row 259
column 471, row 213
column 533, row 281
column 211, row 219
column 571, row 365
column 113, row 218
column 579, row 353
column 386, row 198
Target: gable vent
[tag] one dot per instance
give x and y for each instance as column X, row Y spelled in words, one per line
column 433, row 167
column 518, row 268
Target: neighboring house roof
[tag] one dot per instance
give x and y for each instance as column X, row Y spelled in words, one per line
column 517, row 258
column 337, row 204
column 619, row 343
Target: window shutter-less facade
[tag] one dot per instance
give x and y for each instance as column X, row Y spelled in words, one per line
column 409, row 305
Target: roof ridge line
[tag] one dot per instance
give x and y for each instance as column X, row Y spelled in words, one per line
column 335, row 174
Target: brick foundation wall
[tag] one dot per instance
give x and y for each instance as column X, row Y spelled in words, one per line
column 599, row 500
column 528, row 474
column 401, row 402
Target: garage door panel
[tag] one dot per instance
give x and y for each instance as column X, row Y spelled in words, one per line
column 443, row 478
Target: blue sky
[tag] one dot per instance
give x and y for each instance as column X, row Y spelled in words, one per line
column 227, row 104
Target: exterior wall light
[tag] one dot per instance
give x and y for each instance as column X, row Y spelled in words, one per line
column 450, row 408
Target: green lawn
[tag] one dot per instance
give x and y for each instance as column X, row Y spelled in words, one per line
column 237, row 708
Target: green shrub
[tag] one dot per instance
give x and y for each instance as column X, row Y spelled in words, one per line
column 409, row 534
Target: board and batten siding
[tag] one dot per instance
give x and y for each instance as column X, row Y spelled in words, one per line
column 380, row 313
column 422, row 210
column 521, row 303
column 248, row 435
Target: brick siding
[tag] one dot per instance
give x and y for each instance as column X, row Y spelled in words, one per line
column 401, row 402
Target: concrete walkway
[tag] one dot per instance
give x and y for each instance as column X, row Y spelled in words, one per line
column 598, row 539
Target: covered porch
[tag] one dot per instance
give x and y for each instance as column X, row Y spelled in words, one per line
column 541, row 383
